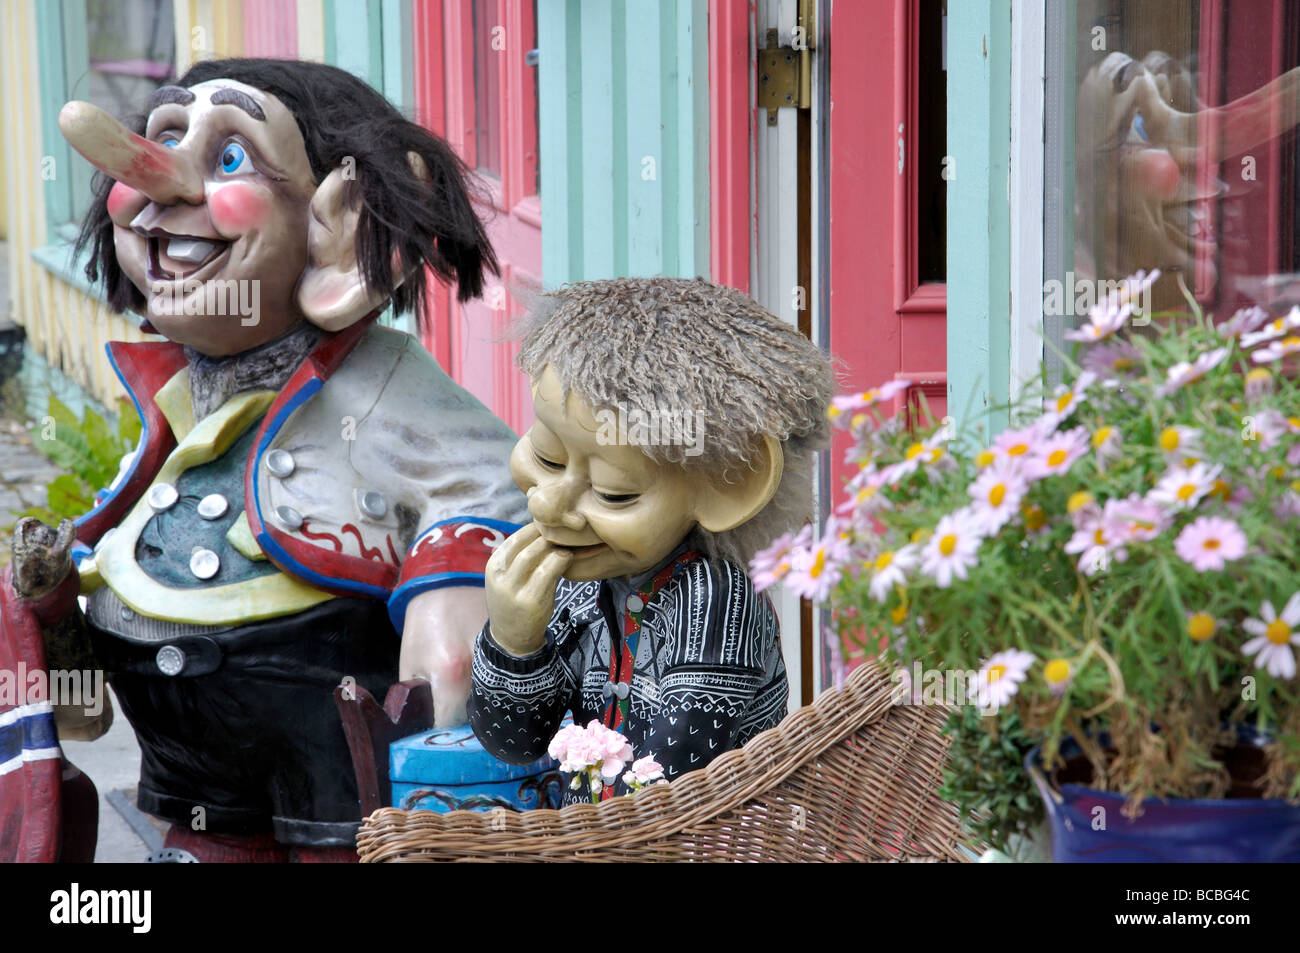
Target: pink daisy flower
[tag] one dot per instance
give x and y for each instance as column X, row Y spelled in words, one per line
column 1068, row 396
column 1057, row 454
column 889, row 569
column 769, row 566
column 816, row 569
column 1244, row 321
column 843, row 407
column 1274, row 329
column 1210, row 542
column 1112, row 360
column 1184, row 372
column 1108, row 316
column 1020, row 443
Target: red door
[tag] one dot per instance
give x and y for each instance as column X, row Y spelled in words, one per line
column 474, row 86
column 888, row 299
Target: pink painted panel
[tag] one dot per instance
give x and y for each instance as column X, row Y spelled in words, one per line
column 271, row 28
column 729, row 143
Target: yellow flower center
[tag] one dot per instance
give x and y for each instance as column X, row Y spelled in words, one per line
column 948, row 544
column 1063, row 401
column 997, row 494
column 1169, row 440
column 1279, row 473
column 915, row 450
column 1211, row 544
column 1122, row 363
column 898, row 614
column 1099, row 536
column 819, row 564
column 1056, row 458
column 1078, row 501
column 984, row 458
column 1018, row 449
column 1259, row 375
column 1056, row 671
column 1291, row 342
column 1186, row 491
column 996, row 672
column 920, row 535
column 858, row 420
column 1294, row 422
column 1278, row 632
column 1101, row 436
column 832, row 411
column 866, row 493
column 1200, row 626
column 1035, row 517
column 1221, row 489
column 883, row 560
column 871, row 394
column 1277, row 325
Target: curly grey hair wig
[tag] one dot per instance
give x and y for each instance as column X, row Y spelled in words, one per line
column 674, row 346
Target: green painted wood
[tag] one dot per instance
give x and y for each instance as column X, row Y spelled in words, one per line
column 397, row 37
column 624, row 121
column 602, row 143
column 979, row 228
column 56, row 155
column 331, row 39
column 357, row 39
column 647, row 117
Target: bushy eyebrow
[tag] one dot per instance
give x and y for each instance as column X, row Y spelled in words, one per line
column 235, row 97
column 169, row 94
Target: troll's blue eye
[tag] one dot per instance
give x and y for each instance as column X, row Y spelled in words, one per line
column 1140, row 127
column 232, row 157
column 171, row 142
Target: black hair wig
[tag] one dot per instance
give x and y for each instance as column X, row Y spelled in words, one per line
column 340, row 116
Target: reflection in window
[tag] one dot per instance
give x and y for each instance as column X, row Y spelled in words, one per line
column 489, row 43
column 1185, row 148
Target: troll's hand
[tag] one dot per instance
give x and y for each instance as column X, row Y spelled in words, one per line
column 520, row 580
column 42, row 556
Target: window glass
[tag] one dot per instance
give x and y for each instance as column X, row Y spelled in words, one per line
column 489, row 42
column 1185, row 151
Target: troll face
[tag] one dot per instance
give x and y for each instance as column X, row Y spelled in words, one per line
column 218, row 190
column 293, row 186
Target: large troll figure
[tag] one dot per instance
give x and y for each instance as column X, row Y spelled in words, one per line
column 310, row 483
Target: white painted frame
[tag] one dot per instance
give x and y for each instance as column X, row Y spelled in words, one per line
column 1025, row 191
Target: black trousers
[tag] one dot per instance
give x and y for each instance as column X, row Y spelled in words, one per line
column 247, row 738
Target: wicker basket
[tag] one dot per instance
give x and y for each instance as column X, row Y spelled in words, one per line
column 849, row 778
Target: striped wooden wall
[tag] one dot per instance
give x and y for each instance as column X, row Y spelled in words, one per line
column 624, row 138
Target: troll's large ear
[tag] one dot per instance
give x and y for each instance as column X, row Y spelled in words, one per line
column 720, row 506
column 333, row 292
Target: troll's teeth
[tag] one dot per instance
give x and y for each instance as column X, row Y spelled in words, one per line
column 189, row 250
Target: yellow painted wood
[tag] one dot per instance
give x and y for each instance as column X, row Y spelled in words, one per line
column 311, row 30
column 65, row 326
column 264, row 597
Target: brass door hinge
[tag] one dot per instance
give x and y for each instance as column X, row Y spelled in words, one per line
column 785, row 72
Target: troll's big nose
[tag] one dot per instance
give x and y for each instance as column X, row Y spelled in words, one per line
column 163, row 174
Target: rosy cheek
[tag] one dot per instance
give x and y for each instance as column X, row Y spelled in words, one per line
column 238, row 208
column 121, row 199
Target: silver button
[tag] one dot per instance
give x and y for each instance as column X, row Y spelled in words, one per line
column 634, row 603
column 127, row 613
column 373, row 504
column 170, row 660
column 289, row 518
column 280, row 463
column 204, row 563
column 162, row 497
column 213, row 506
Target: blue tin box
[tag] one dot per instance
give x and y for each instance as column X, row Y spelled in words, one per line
column 448, row 770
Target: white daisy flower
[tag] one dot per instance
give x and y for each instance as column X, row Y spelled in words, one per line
column 1068, row 396
column 1273, row 330
column 890, row 569
column 951, row 548
column 1274, row 636
column 1277, row 350
column 999, row 678
column 997, row 493
column 1183, row 487
column 1180, row 444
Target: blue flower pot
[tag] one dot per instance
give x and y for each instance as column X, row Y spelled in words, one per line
column 1088, row 826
